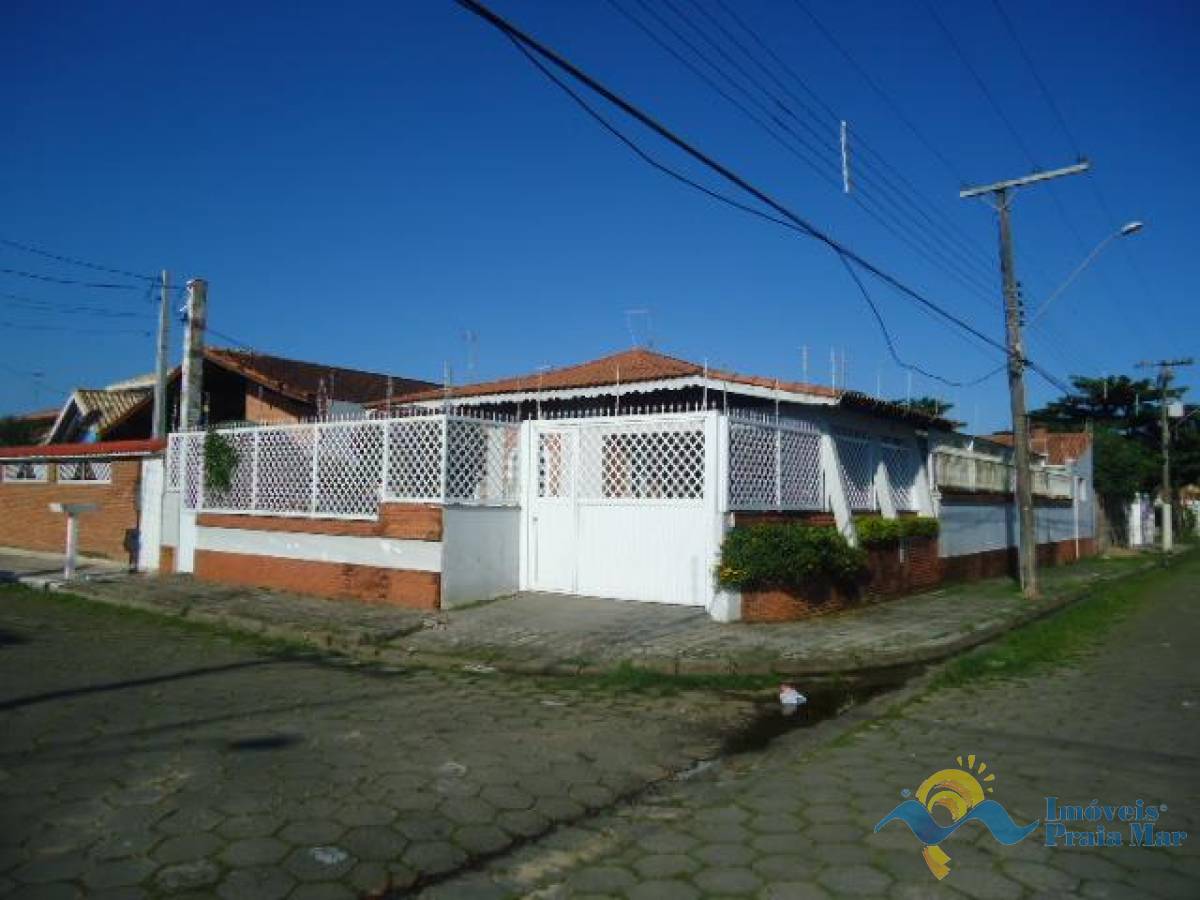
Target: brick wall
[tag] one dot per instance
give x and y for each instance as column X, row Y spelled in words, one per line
column 896, row 574
column 338, row 581
column 26, row 520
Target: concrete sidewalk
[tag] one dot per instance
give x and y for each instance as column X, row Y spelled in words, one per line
column 565, row 635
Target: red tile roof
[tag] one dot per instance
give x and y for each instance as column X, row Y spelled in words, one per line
column 627, row 367
column 303, row 380
column 1057, row 446
column 639, row 366
column 101, row 448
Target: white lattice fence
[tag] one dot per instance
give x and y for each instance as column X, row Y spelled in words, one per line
column 902, row 467
column 652, row 460
column 481, row 461
column 343, row 469
column 856, row 459
column 775, row 464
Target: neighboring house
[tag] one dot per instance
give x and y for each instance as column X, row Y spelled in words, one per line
column 238, row 386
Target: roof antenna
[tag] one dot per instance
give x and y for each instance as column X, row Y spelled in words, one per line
column 471, row 339
column 630, row 316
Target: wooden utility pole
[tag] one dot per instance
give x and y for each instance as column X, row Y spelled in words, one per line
column 1166, row 372
column 1002, row 192
column 158, row 428
column 192, row 385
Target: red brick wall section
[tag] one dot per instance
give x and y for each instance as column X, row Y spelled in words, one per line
column 26, row 520
column 921, row 569
column 338, row 581
column 784, row 606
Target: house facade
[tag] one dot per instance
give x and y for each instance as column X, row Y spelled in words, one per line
column 616, row 478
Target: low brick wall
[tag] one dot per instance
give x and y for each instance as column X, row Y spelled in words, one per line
column 896, row 572
column 27, row 522
column 336, row 581
column 401, row 522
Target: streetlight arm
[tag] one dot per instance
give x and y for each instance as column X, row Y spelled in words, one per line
column 1040, row 311
column 1123, row 231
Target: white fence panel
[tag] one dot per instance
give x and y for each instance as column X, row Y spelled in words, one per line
column 774, row 463
column 856, row 459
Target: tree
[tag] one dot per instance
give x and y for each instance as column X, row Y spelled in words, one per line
column 16, row 432
column 931, row 406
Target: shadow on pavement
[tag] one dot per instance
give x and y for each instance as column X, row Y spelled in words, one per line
column 18, row 702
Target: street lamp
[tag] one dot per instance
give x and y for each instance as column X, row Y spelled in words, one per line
column 1124, row 231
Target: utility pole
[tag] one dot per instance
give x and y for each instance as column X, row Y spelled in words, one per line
column 1166, row 372
column 1002, row 191
column 159, row 425
column 193, row 354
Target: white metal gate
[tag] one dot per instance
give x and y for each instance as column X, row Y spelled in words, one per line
column 623, row 507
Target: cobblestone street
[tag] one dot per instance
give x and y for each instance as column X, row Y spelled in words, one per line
column 144, row 758
column 796, row 821
column 141, row 757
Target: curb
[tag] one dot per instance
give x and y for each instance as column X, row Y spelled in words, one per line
column 360, row 646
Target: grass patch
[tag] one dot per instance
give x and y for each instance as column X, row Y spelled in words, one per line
column 1064, row 636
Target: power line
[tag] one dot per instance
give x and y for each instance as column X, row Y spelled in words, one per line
column 906, row 192
column 17, row 245
column 526, row 43
column 883, row 95
column 1110, row 220
column 918, row 239
column 92, row 284
column 75, row 308
column 21, row 326
column 801, row 224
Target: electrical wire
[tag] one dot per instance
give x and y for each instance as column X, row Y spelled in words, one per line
column 529, row 46
column 888, row 216
column 92, row 284
column 17, row 245
column 873, row 170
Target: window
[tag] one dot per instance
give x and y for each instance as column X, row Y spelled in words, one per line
column 26, row 471
column 85, row 472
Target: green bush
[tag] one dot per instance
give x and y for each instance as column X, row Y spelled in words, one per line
column 220, row 461
column 875, row 532
column 787, row 556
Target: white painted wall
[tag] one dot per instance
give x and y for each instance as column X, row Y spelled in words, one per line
column 150, row 515
column 480, row 553
column 978, row 527
column 172, row 506
column 387, row 553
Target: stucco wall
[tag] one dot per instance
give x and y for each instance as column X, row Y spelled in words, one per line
column 480, row 553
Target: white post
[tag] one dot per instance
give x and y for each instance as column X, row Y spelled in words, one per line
column 835, row 491
column 314, row 471
column 883, row 483
column 72, row 544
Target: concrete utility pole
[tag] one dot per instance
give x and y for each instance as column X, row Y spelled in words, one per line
column 1016, row 364
column 159, row 425
column 1166, row 372
column 193, row 354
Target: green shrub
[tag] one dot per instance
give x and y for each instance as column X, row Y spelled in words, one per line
column 875, row 532
column 220, row 461
column 787, row 556
column 921, row 526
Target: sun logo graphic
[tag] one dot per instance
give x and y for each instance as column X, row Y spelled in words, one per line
column 961, row 793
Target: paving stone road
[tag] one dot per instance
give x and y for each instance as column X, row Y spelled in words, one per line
column 144, row 758
column 796, row 821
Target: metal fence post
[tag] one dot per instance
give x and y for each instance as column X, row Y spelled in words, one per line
column 445, row 455
column 387, row 458
column 315, row 471
column 254, row 473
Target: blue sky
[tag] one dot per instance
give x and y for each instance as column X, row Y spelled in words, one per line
column 361, row 184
